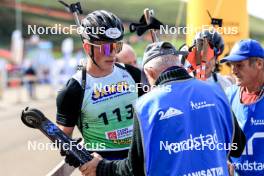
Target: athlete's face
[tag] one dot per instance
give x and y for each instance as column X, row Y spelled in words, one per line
column 103, row 53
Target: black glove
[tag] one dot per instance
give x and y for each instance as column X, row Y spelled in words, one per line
column 70, row 159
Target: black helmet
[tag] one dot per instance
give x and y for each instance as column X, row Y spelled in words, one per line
column 215, row 40
column 101, row 25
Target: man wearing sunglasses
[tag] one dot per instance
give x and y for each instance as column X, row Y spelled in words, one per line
column 99, row 98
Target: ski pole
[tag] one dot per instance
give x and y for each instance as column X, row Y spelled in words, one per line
column 148, row 14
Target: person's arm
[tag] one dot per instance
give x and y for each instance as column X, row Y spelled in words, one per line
column 68, row 106
column 239, row 139
column 132, row 165
column 66, row 130
column 68, row 111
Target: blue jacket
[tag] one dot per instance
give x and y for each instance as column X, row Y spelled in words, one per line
column 182, row 128
column 251, row 120
column 175, row 132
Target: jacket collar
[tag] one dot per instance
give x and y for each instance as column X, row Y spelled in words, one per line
column 172, row 74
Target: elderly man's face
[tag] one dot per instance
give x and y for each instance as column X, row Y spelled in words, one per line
column 245, row 72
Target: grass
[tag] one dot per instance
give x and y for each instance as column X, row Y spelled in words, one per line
column 50, row 21
column 166, row 11
column 256, row 28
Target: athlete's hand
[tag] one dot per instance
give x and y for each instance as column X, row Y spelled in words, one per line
column 89, row 168
column 69, row 158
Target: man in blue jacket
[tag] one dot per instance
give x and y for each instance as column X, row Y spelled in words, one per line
column 247, row 63
column 183, row 126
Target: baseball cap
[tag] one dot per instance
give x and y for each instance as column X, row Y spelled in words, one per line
column 156, row 49
column 244, row 49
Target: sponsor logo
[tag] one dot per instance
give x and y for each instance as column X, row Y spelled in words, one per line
column 192, row 143
column 109, row 90
column 122, row 141
column 256, row 122
column 169, row 113
column 113, row 33
column 249, row 147
column 207, row 172
column 200, row 105
column 122, row 133
column 111, row 135
column 249, row 166
column 201, row 142
column 51, row 128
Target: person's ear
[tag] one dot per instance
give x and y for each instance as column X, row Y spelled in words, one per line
column 150, row 74
column 148, row 71
column 87, row 48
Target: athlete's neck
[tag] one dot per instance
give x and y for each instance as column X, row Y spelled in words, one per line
column 97, row 72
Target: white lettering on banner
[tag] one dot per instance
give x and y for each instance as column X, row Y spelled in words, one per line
column 247, row 166
column 249, row 146
column 193, row 143
column 200, row 105
column 256, row 122
column 215, row 171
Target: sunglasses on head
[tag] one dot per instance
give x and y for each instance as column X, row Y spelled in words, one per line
column 108, row 48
